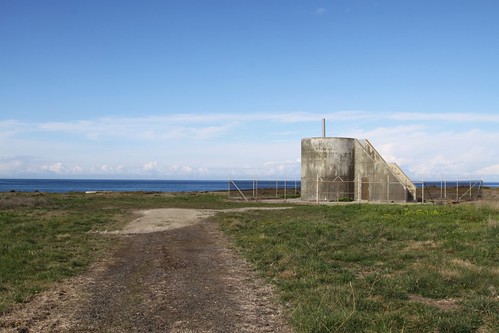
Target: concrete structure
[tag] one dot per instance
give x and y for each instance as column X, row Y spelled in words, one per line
column 347, row 169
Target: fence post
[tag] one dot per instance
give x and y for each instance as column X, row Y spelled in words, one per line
column 337, row 190
column 285, row 188
column 317, row 189
column 359, row 187
column 276, row 187
column 445, row 189
column 422, row 189
column 441, row 188
column 256, row 189
column 239, row 190
column 388, row 188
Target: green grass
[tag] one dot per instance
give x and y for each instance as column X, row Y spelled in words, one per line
column 45, row 238
column 378, row 268
column 345, row 268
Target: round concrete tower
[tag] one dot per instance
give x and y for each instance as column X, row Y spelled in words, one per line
column 332, row 161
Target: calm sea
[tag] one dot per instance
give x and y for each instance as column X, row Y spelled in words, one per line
column 83, row 185
column 454, row 183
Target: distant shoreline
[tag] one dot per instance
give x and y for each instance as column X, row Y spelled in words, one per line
column 114, row 185
column 170, row 186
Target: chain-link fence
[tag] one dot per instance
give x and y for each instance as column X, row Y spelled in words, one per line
column 360, row 190
column 263, row 189
column 363, row 190
column 449, row 191
column 357, row 190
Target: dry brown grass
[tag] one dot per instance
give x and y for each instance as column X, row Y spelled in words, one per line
column 441, row 304
column 492, row 223
column 418, row 246
column 460, row 263
column 15, row 201
column 487, row 204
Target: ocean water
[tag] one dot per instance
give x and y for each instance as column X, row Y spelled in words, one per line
column 84, row 185
column 454, row 183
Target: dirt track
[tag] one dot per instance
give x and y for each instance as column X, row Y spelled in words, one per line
column 172, row 271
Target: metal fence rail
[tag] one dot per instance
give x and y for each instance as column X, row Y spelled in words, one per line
column 339, row 190
column 360, row 190
column 263, row 189
column 449, row 191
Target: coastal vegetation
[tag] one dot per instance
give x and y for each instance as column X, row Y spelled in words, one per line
column 45, row 238
column 378, row 268
column 337, row 268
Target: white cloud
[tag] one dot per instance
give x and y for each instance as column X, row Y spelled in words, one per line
column 9, row 128
column 145, row 129
column 424, row 151
column 213, row 125
column 282, row 170
column 106, row 168
column 220, row 144
column 452, row 117
column 150, row 166
column 9, row 164
column 489, row 170
column 56, row 167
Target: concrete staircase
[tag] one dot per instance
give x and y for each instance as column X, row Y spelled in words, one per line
column 394, row 168
column 370, row 150
column 402, row 177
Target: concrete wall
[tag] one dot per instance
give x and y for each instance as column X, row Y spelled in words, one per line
column 347, row 169
column 377, row 181
column 331, row 159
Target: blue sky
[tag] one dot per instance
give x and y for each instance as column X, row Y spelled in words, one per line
column 217, row 89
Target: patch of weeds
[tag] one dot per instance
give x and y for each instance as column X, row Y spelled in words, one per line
column 17, row 200
column 345, row 199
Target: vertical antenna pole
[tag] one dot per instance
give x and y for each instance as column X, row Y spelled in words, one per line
column 323, row 127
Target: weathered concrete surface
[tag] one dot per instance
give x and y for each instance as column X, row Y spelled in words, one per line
column 346, row 168
column 383, row 184
column 332, row 160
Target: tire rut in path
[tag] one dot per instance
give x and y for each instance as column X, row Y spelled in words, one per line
column 180, row 280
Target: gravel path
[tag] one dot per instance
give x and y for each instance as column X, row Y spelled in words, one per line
column 172, row 271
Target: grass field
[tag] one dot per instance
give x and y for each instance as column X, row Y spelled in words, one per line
column 341, row 268
column 378, row 268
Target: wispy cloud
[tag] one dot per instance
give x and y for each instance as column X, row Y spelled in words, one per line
column 424, row 151
column 490, row 170
column 452, row 117
column 205, row 126
column 221, row 144
column 140, row 128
